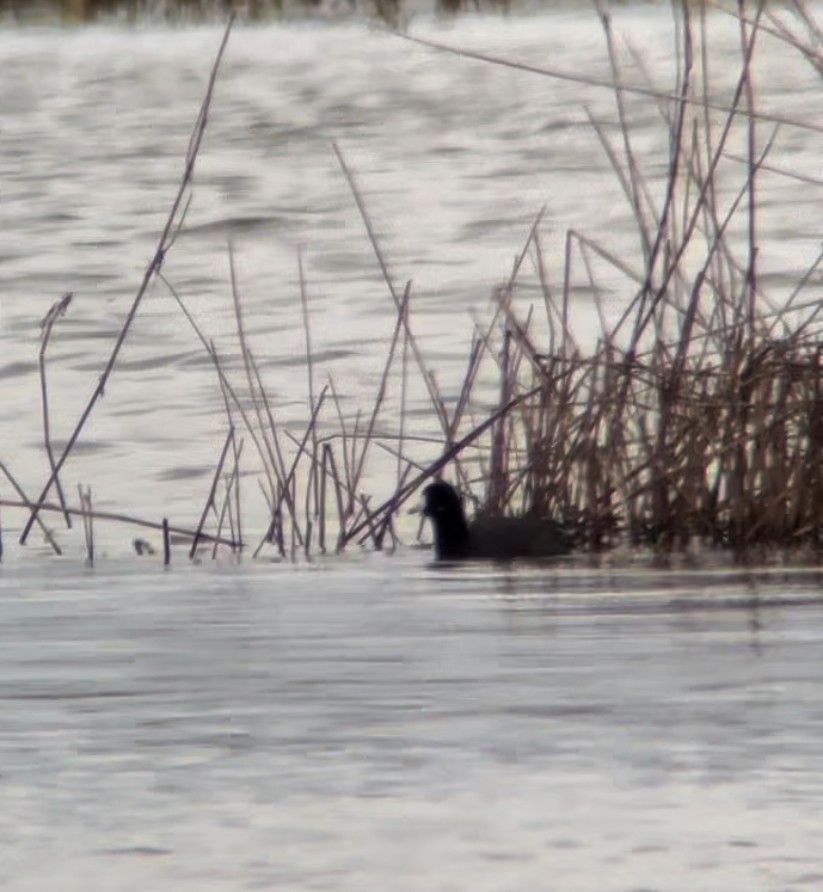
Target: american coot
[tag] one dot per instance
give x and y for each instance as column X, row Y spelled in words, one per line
column 494, row 538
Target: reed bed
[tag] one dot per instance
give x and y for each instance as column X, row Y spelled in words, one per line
column 696, row 417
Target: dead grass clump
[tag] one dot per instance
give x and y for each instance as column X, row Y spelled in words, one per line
column 698, row 414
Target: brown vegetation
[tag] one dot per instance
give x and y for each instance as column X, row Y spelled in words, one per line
column 391, row 12
column 698, row 416
column 700, row 413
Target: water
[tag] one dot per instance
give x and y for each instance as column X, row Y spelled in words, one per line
column 366, row 722
column 388, row 725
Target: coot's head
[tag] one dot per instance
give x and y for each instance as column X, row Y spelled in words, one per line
column 440, row 499
column 451, row 532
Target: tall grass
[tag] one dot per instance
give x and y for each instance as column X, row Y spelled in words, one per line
column 696, row 416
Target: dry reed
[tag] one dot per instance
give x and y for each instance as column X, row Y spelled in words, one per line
column 697, row 415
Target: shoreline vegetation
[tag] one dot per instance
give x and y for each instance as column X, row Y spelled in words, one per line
column 391, row 12
column 695, row 420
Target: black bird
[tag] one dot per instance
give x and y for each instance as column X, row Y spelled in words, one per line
column 493, row 538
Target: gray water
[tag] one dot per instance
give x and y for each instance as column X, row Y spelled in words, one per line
column 387, row 725
column 366, row 722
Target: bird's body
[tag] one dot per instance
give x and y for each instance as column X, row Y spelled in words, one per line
column 491, row 538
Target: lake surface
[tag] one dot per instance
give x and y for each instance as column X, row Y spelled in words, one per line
column 383, row 724
column 367, row 722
